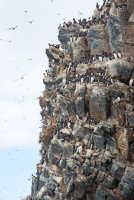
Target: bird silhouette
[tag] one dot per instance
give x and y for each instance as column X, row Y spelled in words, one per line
column 30, row 22
column 12, row 28
column 79, row 12
column 25, row 11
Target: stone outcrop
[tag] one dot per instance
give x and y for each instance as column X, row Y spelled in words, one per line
column 87, row 134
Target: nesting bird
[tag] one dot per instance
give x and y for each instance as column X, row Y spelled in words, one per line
column 100, row 58
column 115, row 55
column 82, row 80
column 79, row 150
column 119, row 55
column 131, row 82
column 92, row 79
column 64, row 81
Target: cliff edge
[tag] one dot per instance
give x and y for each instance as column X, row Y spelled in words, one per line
column 87, row 136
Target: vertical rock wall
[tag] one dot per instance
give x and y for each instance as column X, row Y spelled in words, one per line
column 87, row 109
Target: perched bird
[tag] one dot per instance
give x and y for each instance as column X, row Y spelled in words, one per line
column 92, row 79
column 69, row 124
column 131, row 82
column 97, row 5
column 79, row 150
column 82, row 80
column 119, row 55
column 12, row 28
column 111, row 80
column 64, row 81
column 100, row 58
column 115, row 55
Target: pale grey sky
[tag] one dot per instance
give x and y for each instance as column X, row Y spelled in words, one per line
column 21, row 79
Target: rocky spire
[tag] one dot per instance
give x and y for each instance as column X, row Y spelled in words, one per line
column 87, row 109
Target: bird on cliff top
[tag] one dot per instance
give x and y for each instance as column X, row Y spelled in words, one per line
column 97, row 5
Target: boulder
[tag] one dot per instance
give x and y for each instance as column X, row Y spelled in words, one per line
column 118, row 169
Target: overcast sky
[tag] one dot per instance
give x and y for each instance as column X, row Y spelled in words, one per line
column 22, row 63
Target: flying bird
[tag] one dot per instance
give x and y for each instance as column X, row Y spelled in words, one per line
column 30, row 22
column 12, row 28
column 25, row 11
column 79, row 12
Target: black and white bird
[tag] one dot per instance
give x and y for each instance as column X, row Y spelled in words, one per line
column 92, row 79
column 97, row 5
column 100, row 58
column 119, row 55
column 64, row 81
column 131, row 82
column 79, row 150
column 111, row 80
column 69, row 124
column 81, row 80
column 115, row 55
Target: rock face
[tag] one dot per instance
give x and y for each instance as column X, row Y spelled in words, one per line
column 87, row 135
